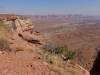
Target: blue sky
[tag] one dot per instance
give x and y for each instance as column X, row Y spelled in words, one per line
column 42, row 7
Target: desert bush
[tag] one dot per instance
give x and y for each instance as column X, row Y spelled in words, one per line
column 49, row 47
column 49, row 58
column 54, row 59
column 52, row 48
column 71, row 55
column 68, row 54
column 4, row 45
column 61, row 51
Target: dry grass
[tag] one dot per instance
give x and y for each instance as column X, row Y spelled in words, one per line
column 4, row 45
column 4, row 27
column 54, row 59
column 53, row 55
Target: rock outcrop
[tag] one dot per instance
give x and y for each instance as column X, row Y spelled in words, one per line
column 24, row 29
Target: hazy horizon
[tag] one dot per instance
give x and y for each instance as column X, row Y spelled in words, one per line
column 50, row 7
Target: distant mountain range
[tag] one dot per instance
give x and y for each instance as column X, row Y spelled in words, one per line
column 65, row 18
column 60, row 18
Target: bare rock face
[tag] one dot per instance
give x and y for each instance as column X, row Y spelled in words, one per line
column 24, row 25
column 18, row 24
column 24, row 28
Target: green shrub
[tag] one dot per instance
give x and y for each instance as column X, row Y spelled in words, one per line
column 71, row 55
column 60, row 50
column 68, row 54
column 57, row 56
column 50, row 48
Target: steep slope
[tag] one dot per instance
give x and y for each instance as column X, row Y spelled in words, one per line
column 25, row 58
column 84, row 40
